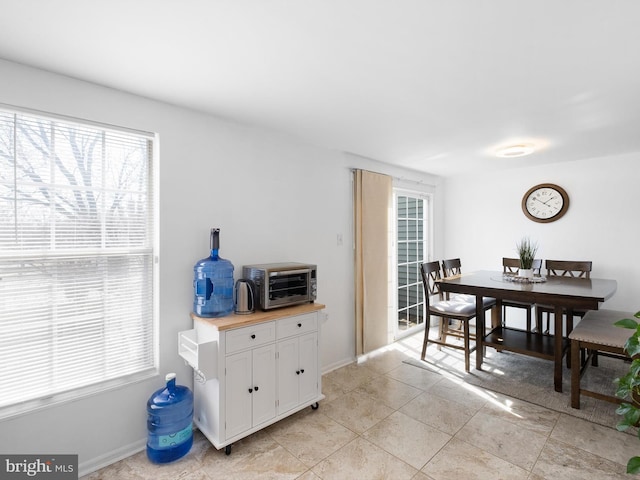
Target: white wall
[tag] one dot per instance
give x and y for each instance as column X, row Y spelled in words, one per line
column 484, row 219
column 275, row 199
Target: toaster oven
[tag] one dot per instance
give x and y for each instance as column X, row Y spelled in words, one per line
column 282, row 284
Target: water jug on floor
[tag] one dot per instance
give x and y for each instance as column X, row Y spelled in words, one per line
column 169, row 422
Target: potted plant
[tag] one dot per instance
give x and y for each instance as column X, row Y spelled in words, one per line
column 527, row 253
column 629, row 386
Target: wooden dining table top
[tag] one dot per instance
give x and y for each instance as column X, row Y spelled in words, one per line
column 554, row 290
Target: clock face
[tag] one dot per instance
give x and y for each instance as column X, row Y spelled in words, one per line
column 545, row 203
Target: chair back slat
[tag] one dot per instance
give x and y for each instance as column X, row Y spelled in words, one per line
column 451, row 267
column 536, row 266
column 430, row 275
column 568, row 268
column 511, row 266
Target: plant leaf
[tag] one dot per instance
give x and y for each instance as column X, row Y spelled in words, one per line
column 623, row 409
column 633, row 417
column 632, row 346
column 627, row 323
column 623, row 387
column 621, row 426
column 633, row 465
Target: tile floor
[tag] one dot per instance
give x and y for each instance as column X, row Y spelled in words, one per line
column 384, row 419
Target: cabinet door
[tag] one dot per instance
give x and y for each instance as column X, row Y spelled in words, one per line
column 288, row 374
column 264, row 384
column 238, row 398
column 308, row 365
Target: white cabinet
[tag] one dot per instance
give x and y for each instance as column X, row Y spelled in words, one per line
column 250, row 389
column 238, row 380
column 297, row 361
column 259, row 368
column 309, row 370
column 297, row 371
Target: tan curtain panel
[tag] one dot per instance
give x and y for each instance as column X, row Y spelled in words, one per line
column 372, row 204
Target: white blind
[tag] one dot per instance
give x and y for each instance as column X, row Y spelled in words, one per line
column 76, row 256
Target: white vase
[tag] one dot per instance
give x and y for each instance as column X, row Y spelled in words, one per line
column 525, row 272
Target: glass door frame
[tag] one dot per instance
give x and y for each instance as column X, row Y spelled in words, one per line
column 425, row 255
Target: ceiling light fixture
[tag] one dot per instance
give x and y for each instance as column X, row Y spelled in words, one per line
column 519, row 150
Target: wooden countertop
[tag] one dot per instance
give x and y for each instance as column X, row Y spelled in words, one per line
column 234, row 321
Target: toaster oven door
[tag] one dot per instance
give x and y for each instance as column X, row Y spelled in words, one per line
column 289, row 287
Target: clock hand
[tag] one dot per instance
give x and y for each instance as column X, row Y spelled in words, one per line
column 548, row 200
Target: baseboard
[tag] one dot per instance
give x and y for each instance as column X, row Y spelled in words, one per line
column 90, row 466
column 334, row 366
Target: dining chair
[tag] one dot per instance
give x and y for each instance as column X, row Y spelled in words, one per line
column 562, row 268
column 511, row 266
column 596, row 334
column 446, row 309
column 453, row 267
column 460, row 308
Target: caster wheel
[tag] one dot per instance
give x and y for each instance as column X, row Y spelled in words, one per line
column 227, row 450
column 315, row 406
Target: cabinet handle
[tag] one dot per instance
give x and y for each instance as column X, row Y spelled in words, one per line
column 251, row 390
column 297, row 372
column 302, row 370
column 253, row 336
column 256, row 389
column 299, row 325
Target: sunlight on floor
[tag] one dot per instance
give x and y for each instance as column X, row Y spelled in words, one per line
column 445, row 361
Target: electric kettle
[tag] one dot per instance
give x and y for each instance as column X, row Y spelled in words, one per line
column 244, row 296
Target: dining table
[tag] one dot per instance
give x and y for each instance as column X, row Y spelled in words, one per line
column 565, row 294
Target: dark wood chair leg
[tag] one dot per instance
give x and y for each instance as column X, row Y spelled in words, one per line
column 443, row 331
column 538, row 320
column 569, row 330
column 425, row 341
column 575, row 374
column 467, row 365
column 548, row 323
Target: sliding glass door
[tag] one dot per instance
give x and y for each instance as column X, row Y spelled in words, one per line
column 412, row 248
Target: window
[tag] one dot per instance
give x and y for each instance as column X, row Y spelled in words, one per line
column 411, row 250
column 76, row 258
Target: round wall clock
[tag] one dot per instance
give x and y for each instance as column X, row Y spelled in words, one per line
column 545, row 203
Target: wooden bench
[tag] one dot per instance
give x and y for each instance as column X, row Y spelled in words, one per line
column 596, row 333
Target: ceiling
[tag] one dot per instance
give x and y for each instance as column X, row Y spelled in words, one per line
column 429, row 85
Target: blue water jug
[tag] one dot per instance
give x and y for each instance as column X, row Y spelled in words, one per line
column 169, row 422
column 213, row 283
